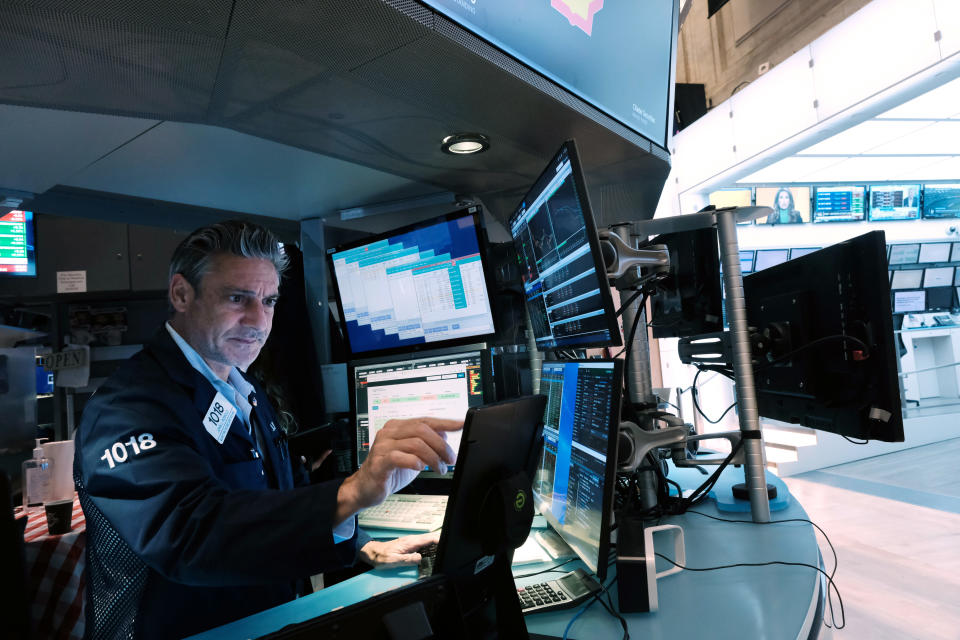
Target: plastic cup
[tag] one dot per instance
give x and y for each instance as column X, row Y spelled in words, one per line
column 59, row 516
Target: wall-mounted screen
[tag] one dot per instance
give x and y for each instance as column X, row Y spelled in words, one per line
column 17, row 249
column 907, row 279
column 791, row 205
column 839, row 204
column 589, row 47
column 799, row 252
column 956, row 276
column 904, row 253
column 771, row 257
column 941, row 201
column 939, row 298
column 731, row 198
column 937, row 277
column 909, row 301
column 955, row 254
column 421, row 285
column 935, row 252
column 746, row 261
column 895, row 202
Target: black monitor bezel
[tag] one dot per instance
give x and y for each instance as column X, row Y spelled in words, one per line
column 31, row 226
column 609, row 480
column 590, row 225
column 482, row 244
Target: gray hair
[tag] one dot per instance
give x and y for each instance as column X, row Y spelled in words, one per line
column 193, row 256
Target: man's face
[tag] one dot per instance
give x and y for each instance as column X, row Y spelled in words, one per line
column 229, row 318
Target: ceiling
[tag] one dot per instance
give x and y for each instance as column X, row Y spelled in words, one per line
column 288, row 109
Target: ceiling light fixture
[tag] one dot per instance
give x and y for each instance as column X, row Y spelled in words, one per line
column 465, row 143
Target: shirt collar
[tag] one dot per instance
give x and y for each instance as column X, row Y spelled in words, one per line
column 240, row 385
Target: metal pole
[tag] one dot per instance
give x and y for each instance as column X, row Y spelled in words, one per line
column 535, row 355
column 754, row 467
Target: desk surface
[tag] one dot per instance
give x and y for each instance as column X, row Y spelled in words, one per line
column 744, row 602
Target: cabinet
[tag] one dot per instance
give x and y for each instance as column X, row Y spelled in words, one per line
column 150, row 251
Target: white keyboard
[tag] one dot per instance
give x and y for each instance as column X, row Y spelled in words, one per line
column 406, row 512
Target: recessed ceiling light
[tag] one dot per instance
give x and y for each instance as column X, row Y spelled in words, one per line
column 465, row 143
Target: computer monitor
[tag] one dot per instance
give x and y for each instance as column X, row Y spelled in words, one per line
column 767, row 258
column 907, row 279
column 439, row 385
column 895, row 202
column 956, row 276
column 746, row 261
column 810, row 374
column 904, row 253
column 421, row 286
column 955, row 253
column 937, row 277
column 940, row 299
column 941, row 201
column 798, row 252
column 17, row 245
column 839, row 204
column 913, row 301
column 563, row 273
column 791, row 205
column 740, row 197
column 574, row 484
column 935, row 252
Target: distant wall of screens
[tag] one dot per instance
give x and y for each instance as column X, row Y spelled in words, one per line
column 924, row 276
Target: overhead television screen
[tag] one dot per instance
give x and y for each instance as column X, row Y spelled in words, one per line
column 422, row 285
column 839, row 204
column 614, row 55
column 17, row 250
column 791, row 205
column 941, row 201
column 895, row 202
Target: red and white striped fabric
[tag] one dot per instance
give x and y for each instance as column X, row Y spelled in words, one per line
column 55, row 576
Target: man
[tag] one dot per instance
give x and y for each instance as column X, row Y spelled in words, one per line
column 192, row 516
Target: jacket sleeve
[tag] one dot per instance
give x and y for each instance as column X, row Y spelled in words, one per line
column 147, row 473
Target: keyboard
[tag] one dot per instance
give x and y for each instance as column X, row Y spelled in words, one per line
column 406, row 512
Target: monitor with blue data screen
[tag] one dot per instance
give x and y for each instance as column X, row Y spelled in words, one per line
column 839, row 204
column 574, row 483
column 420, row 286
column 17, row 245
column 941, row 201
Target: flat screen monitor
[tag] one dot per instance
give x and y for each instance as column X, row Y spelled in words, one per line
column 955, row 253
column 839, row 204
column 574, row 484
column 437, row 386
column 895, row 202
column 940, row 299
column 589, row 48
column 909, row 301
column 811, row 377
column 791, row 205
column 907, row 279
column 798, row 252
column 941, row 201
column 563, row 273
column 17, row 248
column 904, row 253
column 421, row 286
column 746, row 261
column 956, row 276
column 935, row 252
column 937, row 277
column 770, row 257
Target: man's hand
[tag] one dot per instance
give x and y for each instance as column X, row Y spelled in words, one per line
column 400, row 451
column 399, row 552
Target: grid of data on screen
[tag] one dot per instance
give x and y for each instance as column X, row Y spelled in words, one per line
column 570, row 481
column 425, row 285
column 438, row 386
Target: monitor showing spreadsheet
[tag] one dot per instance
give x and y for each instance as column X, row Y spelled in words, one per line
column 421, row 286
column 935, row 252
column 904, row 253
column 839, row 204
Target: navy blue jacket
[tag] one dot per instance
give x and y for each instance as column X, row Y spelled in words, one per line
column 185, row 534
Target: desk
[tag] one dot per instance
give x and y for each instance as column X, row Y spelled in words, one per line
column 55, row 576
column 774, row 602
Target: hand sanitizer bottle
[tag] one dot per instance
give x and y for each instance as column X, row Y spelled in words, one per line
column 37, row 478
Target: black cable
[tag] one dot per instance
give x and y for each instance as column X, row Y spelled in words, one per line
column 610, row 608
column 553, row 568
column 811, row 344
column 695, row 396
column 623, row 307
column 831, row 584
column 855, row 441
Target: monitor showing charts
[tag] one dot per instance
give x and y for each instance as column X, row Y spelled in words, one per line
column 17, row 250
column 937, row 277
column 746, row 261
column 791, row 205
column 895, row 202
column 912, row 301
column 935, row 252
column 563, row 274
column 574, row 484
column 904, row 253
column 438, row 386
column 771, row 257
column 420, row 286
column 839, row 204
column 907, row 279
column 941, row 201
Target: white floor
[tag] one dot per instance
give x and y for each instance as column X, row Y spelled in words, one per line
column 895, row 523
